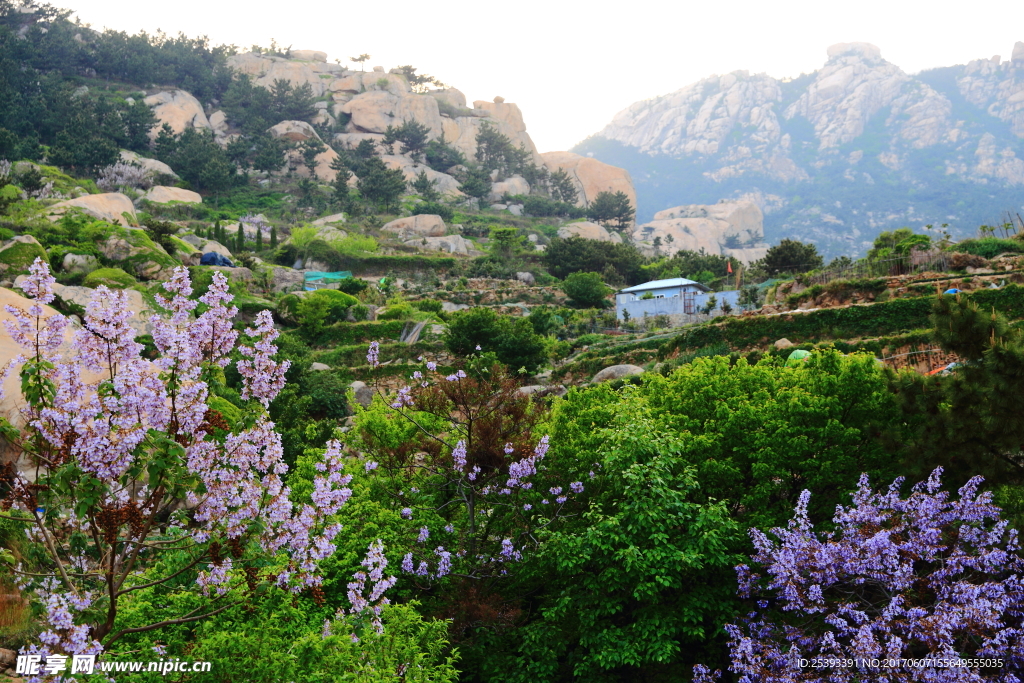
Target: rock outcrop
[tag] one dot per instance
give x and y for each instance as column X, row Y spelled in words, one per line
column 588, row 231
column 590, row 176
column 167, row 195
column 424, row 225
column 179, row 110
column 18, row 253
column 452, row 244
column 154, row 167
column 110, row 207
column 617, row 372
column 443, row 183
column 516, row 185
column 729, row 228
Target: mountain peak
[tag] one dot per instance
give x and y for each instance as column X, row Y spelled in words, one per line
column 865, row 50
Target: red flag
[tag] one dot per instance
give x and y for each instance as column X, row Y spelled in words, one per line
column 729, row 267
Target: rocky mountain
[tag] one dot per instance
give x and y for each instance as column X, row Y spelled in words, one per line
column 838, row 155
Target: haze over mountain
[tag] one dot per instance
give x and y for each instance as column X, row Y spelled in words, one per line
column 838, row 155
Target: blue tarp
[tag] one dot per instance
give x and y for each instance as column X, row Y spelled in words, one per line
column 212, row 258
column 952, row 291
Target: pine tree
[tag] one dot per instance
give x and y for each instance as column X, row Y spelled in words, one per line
column 218, row 232
column 273, row 237
column 259, row 240
column 240, row 238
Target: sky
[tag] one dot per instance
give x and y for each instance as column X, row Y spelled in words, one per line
column 570, row 66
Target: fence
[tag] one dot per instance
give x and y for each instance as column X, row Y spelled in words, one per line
column 915, row 262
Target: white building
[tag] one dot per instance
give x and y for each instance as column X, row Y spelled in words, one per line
column 673, row 297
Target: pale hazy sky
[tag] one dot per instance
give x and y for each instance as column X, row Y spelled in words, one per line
column 571, row 66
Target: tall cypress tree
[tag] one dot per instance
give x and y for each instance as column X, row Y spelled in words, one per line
column 273, row 237
column 240, row 239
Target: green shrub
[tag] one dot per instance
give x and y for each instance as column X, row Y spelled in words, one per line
column 115, row 278
column 989, row 247
column 586, row 290
column 446, row 213
column 316, row 310
column 428, row 305
column 512, row 340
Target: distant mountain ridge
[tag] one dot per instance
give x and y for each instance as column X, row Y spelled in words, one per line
column 835, row 156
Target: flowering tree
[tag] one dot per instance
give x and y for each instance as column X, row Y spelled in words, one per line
column 457, row 455
column 121, row 175
column 922, row 588
column 135, row 482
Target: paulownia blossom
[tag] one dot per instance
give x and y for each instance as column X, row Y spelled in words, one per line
column 129, row 459
column 922, row 588
column 472, row 473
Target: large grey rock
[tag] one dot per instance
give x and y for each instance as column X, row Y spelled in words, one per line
column 449, row 307
column 167, row 195
column 80, row 263
column 109, row 206
column 783, row 344
column 526, row 277
column 179, row 110
column 423, row 225
column 617, row 372
column 452, row 244
column 708, row 227
column 362, row 393
column 293, row 131
column 318, row 367
column 152, row 165
column 286, row 279
column 588, row 230
column 513, row 186
column 333, row 218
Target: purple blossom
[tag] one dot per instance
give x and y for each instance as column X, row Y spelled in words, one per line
column 370, row 466
column 576, row 487
column 373, row 603
column 444, row 564
column 406, row 513
column 459, row 457
column 403, row 398
column 947, row 574
column 407, row 563
column 424, row 535
column 373, row 355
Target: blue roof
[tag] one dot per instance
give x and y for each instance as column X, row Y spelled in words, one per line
column 664, row 284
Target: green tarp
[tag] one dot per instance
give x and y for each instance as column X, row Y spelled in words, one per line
column 796, row 357
column 317, row 276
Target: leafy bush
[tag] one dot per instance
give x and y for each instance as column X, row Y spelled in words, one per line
column 317, row 310
column 586, row 290
column 434, row 208
column 428, row 305
column 989, row 247
column 512, row 340
column 566, row 256
column 115, row 278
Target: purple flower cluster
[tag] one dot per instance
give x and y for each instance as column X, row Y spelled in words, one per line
column 110, row 412
column 924, row 578
column 373, row 603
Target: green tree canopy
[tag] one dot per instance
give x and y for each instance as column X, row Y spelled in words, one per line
column 512, row 340
column 586, row 290
column 791, row 256
column 611, row 209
